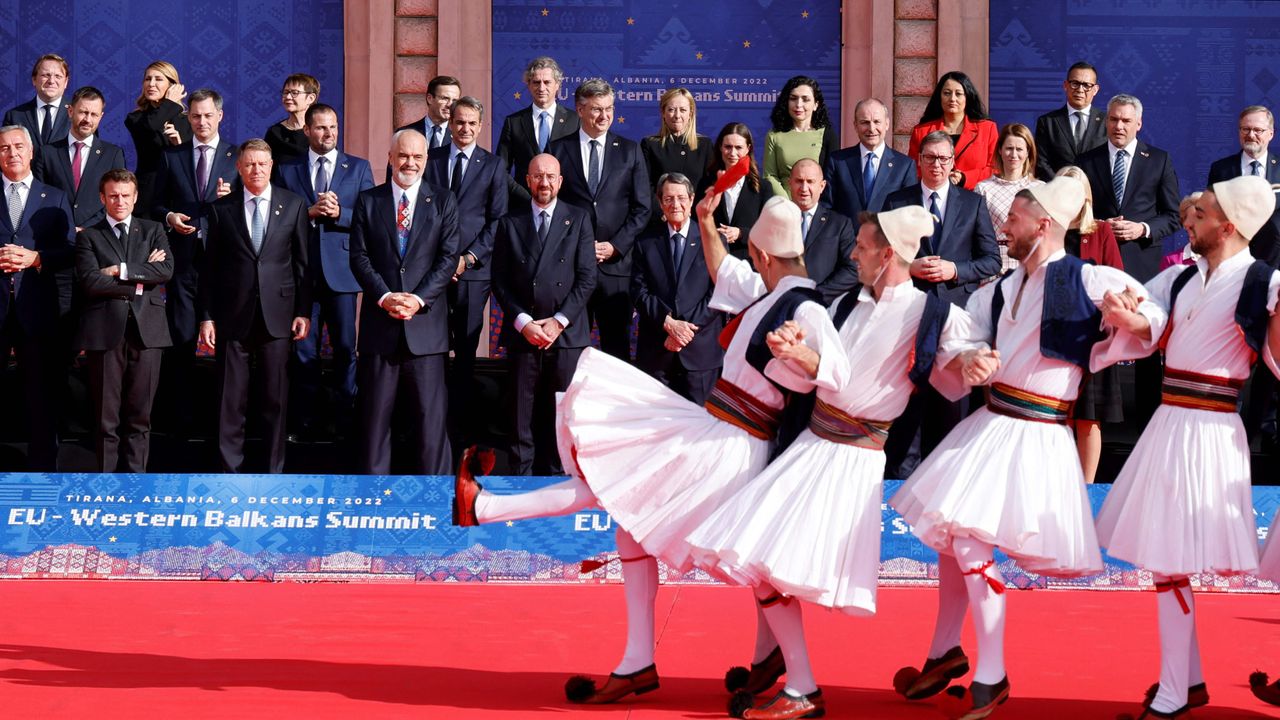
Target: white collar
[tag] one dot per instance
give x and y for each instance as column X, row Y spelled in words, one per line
column 266, row 195
column 331, row 156
column 72, row 140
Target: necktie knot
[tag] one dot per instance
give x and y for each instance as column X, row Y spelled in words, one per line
column 121, row 228
column 80, row 146
column 1254, row 167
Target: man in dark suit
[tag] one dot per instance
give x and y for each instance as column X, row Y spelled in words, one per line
column 869, row 164
column 679, row 335
column 76, row 162
column 528, row 131
column 828, row 235
column 37, row 241
column 404, row 249
column 121, row 263
column 605, row 174
column 1136, row 191
column 1074, row 128
column 1257, row 128
column 961, row 253
column 442, row 92
column 192, row 176
column 255, row 294
column 329, row 180
column 478, row 181
column 44, row 116
column 544, row 270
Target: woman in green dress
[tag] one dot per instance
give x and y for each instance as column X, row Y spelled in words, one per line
column 801, row 129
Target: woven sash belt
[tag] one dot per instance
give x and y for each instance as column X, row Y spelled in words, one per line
column 1018, row 403
column 832, row 424
column 732, row 404
column 1199, row 392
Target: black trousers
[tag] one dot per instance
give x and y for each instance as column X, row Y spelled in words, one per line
column 536, row 377
column 337, row 312
column 611, row 310
column 467, row 299
column 418, row 381
column 122, row 383
column 42, row 374
column 234, row 357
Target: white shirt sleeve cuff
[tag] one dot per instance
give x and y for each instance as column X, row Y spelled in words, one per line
column 521, row 320
column 124, row 271
column 560, row 318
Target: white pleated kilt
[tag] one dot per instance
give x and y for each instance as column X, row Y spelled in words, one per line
column 1183, row 503
column 1015, row 484
column 809, row 525
column 658, row 463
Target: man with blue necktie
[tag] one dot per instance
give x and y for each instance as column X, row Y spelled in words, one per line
column 404, row 249
column 528, row 131
column 329, row 180
column 861, row 177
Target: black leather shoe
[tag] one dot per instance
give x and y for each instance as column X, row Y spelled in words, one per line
column 762, row 675
column 980, row 700
column 1197, row 695
column 934, row 677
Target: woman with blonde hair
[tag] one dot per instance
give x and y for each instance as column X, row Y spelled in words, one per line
column 1015, row 163
column 158, row 122
column 1100, row 399
column 677, row 148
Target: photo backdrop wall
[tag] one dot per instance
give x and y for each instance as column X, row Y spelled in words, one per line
column 244, row 49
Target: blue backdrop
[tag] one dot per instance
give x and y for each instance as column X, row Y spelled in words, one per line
column 242, row 48
column 1194, row 64
column 734, row 56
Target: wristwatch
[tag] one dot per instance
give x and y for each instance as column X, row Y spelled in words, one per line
column 469, row 260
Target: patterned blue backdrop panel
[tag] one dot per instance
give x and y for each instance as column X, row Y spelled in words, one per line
column 242, row 48
column 733, row 55
column 1194, row 64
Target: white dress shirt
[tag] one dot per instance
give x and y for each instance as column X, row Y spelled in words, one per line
column 266, row 209
column 525, row 318
column 330, row 162
column 41, row 105
column 84, row 152
column 1130, row 150
column 454, row 150
column 584, row 142
column 1246, row 163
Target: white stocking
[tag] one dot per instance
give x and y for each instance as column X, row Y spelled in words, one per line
column 765, row 641
column 561, row 498
column 953, row 605
column 640, row 585
column 987, row 606
column 1177, row 633
column 787, row 624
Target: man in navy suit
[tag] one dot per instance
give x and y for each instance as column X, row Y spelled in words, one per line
column 528, row 131
column 442, row 92
column 828, row 235
column 76, row 162
column 849, row 175
column 960, row 254
column 478, row 181
column 1073, row 129
column 37, row 241
column 1257, row 128
column 192, row 176
column 1136, row 191
column 544, row 270
column 44, row 116
column 679, row 335
column 404, row 250
column 605, row 174
column 255, row 296
column 121, row 263
column 329, row 180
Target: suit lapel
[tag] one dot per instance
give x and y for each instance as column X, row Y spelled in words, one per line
column 691, row 246
column 527, row 126
column 90, row 169
column 307, row 182
column 121, row 246
column 1137, row 169
column 1063, row 121
column 886, row 178
column 611, row 148
column 35, row 199
column 422, row 213
column 555, row 237
column 949, row 215
column 62, row 163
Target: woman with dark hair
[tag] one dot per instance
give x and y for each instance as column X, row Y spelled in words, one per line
column 677, row 147
column 159, row 121
column 801, row 129
column 956, row 109
column 741, row 204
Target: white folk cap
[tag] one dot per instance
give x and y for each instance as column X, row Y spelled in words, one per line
column 904, row 227
column 1247, row 201
column 777, row 231
column 1062, row 198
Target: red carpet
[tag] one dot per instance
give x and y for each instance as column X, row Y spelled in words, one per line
column 134, row 649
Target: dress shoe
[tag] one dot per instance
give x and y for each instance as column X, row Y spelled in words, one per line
column 762, row 675
column 979, row 701
column 934, row 677
column 1261, row 690
column 1197, row 695
column 1149, row 713
column 465, row 488
column 583, row 690
column 784, row 705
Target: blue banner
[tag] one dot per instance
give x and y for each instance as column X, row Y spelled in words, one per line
column 373, row 528
column 733, row 56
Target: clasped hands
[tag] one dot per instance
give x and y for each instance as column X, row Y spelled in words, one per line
column 679, row 333
column 542, row 333
column 1120, row 311
column 933, row 269
column 326, row 205
column 15, row 258
column 401, row 305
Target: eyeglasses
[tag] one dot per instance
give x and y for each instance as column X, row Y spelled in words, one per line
column 1254, row 131
column 293, row 93
column 1077, row 85
column 936, row 159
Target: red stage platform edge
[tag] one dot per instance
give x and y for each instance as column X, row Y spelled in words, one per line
column 71, row 649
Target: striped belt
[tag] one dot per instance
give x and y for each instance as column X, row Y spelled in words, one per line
column 1018, row 403
column 1199, row 392
column 832, row 424
column 736, row 406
